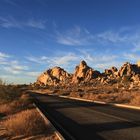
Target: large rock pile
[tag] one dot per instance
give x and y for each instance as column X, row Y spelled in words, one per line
column 127, row 73
column 54, row 76
column 129, row 70
column 84, row 73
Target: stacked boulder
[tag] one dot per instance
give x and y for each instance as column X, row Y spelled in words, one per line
column 83, row 73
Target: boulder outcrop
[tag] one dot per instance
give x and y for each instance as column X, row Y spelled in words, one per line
column 84, row 73
column 128, row 73
column 113, row 71
column 53, row 76
column 129, row 70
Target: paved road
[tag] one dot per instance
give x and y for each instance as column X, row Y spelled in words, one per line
column 90, row 121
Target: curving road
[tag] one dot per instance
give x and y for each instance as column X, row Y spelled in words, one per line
column 81, row 120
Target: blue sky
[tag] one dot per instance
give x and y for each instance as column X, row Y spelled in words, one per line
column 39, row 34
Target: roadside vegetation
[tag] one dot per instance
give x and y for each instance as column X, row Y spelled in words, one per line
column 111, row 93
column 18, row 116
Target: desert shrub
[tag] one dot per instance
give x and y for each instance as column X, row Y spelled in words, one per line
column 135, row 100
column 14, row 106
column 2, row 82
column 8, row 93
column 80, row 90
column 5, row 109
column 74, row 94
column 65, row 93
column 27, row 122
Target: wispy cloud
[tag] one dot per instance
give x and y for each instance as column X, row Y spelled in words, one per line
column 74, row 37
column 60, row 60
column 10, row 65
column 33, row 73
column 4, row 55
column 39, row 60
column 111, row 36
column 15, row 68
column 11, row 22
column 36, row 23
column 70, row 60
column 131, row 57
column 77, row 36
column 136, row 47
column 4, row 58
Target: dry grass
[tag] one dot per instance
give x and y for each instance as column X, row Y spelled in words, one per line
column 111, row 98
column 9, row 93
column 6, row 109
column 28, row 122
column 109, row 94
column 125, row 97
column 22, row 103
column 135, row 100
column 21, row 121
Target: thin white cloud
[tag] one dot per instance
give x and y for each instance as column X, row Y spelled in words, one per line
column 3, row 55
column 4, row 58
column 74, row 37
column 65, row 60
column 39, row 60
column 107, row 65
column 36, row 24
column 70, row 60
column 60, row 60
column 110, row 36
column 8, row 64
column 11, row 22
column 15, row 68
column 131, row 57
column 136, row 47
column 99, row 61
column 19, row 79
column 101, row 57
column 126, row 36
column 33, row 73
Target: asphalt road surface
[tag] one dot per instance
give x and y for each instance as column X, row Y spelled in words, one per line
column 81, row 120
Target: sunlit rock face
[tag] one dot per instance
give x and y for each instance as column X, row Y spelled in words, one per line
column 111, row 72
column 53, row 76
column 138, row 63
column 84, row 73
column 129, row 70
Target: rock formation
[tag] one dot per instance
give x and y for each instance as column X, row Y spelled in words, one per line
column 53, row 76
column 128, row 73
column 113, row 71
column 84, row 73
column 129, row 70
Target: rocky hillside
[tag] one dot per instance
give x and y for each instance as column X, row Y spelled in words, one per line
column 84, row 74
